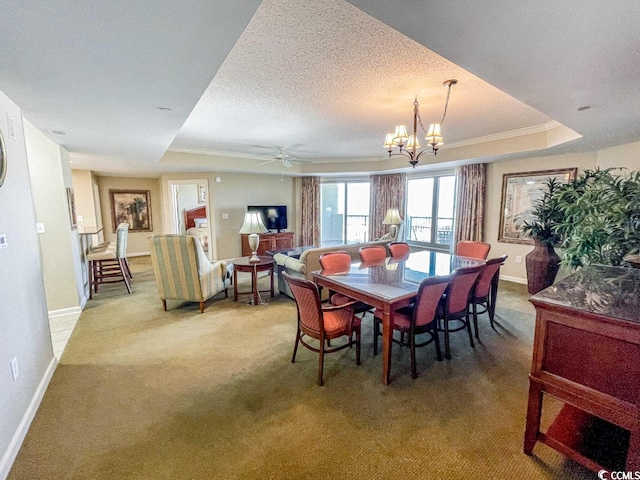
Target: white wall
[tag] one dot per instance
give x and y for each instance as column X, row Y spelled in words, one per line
column 24, row 324
column 61, row 256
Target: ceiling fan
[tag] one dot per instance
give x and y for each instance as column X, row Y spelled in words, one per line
column 284, row 158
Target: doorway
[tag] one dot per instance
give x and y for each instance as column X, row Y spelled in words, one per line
column 189, row 210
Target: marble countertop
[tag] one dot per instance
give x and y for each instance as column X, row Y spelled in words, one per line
column 601, row 289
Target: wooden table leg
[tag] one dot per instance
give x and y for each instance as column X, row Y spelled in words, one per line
column 235, row 285
column 387, row 336
column 534, row 410
column 271, row 275
column 254, row 285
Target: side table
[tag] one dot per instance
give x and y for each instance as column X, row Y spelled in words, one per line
column 244, row 265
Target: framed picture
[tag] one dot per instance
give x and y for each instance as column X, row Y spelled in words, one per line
column 202, row 194
column 519, row 192
column 132, row 207
column 3, row 160
column 71, row 203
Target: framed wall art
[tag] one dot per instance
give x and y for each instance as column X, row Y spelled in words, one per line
column 519, row 193
column 3, row 160
column 202, row 194
column 71, row 203
column 132, row 207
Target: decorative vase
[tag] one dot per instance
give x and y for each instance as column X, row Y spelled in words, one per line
column 542, row 267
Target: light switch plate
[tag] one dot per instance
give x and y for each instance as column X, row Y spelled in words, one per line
column 4, row 243
column 225, row 216
column 40, row 227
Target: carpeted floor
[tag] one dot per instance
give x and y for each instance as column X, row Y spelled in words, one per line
column 145, row 394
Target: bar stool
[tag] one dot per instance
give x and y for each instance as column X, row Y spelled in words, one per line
column 109, row 265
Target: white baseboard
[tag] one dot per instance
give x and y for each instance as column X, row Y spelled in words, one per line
column 507, row 278
column 139, row 254
column 18, row 437
column 63, row 312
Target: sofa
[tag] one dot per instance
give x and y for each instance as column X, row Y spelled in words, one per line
column 309, row 261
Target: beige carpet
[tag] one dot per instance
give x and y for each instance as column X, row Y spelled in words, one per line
column 147, row 394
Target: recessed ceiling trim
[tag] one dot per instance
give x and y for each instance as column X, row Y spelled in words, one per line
column 520, row 132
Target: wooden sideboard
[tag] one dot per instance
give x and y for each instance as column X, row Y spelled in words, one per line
column 586, row 353
column 268, row 241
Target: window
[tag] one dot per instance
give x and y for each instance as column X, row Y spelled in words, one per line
column 430, row 203
column 345, row 212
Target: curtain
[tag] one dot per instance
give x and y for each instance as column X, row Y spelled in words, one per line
column 469, row 214
column 310, row 224
column 387, row 191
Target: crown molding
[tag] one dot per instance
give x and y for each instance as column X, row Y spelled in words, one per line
column 520, row 132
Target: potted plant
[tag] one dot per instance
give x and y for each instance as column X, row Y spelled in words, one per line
column 600, row 218
column 543, row 262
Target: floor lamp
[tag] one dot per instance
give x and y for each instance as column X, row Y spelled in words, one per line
column 393, row 218
column 253, row 225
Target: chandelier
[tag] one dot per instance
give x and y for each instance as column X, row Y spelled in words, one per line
column 408, row 145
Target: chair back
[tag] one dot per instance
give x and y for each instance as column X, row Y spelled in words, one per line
column 122, row 233
column 307, row 300
column 466, row 248
column 338, row 261
column 399, row 249
column 461, row 288
column 429, row 294
column 175, row 261
column 373, row 253
column 489, row 271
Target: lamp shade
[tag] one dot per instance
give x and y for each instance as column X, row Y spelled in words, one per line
column 392, row 217
column 253, row 223
column 434, row 135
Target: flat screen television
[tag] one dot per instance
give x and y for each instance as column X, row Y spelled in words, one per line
column 273, row 216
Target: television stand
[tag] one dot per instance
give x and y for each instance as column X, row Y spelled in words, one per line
column 268, row 241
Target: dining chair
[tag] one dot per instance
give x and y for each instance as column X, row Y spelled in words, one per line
column 322, row 322
column 486, row 291
column 455, row 304
column 399, row 249
column 373, row 253
column 109, row 265
column 417, row 319
column 467, row 248
column 340, row 262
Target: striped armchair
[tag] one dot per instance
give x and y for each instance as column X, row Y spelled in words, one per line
column 183, row 271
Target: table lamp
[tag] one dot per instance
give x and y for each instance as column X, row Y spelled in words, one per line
column 393, row 218
column 253, row 225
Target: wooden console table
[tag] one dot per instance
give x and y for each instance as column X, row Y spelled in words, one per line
column 586, row 353
column 268, row 241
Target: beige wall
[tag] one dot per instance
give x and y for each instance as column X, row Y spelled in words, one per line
column 137, row 243
column 231, row 196
column 59, row 245
column 23, row 308
column 625, row 156
column 511, row 270
column 83, row 188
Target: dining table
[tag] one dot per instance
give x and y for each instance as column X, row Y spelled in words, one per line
column 390, row 284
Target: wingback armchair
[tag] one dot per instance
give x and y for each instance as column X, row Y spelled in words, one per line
column 183, row 271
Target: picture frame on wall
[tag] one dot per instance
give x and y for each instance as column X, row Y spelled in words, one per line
column 520, row 191
column 202, row 194
column 3, row 160
column 71, row 204
column 132, row 207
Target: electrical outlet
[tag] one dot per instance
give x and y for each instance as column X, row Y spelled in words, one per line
column 518, row 258
column 14, row 368
column 40, row 227
column 80, row 218
column 225, row 216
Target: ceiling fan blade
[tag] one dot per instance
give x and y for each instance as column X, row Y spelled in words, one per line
column 287, row 163
column 268, row 161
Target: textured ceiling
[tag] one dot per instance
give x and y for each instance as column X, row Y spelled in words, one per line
column 326, row 78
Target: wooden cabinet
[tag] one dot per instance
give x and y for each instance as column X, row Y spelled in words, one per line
column 586, row 353
column 268, row 241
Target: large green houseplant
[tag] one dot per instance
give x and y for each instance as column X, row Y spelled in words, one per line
column 600, row 218
column 543, row 262
column 595, row 218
